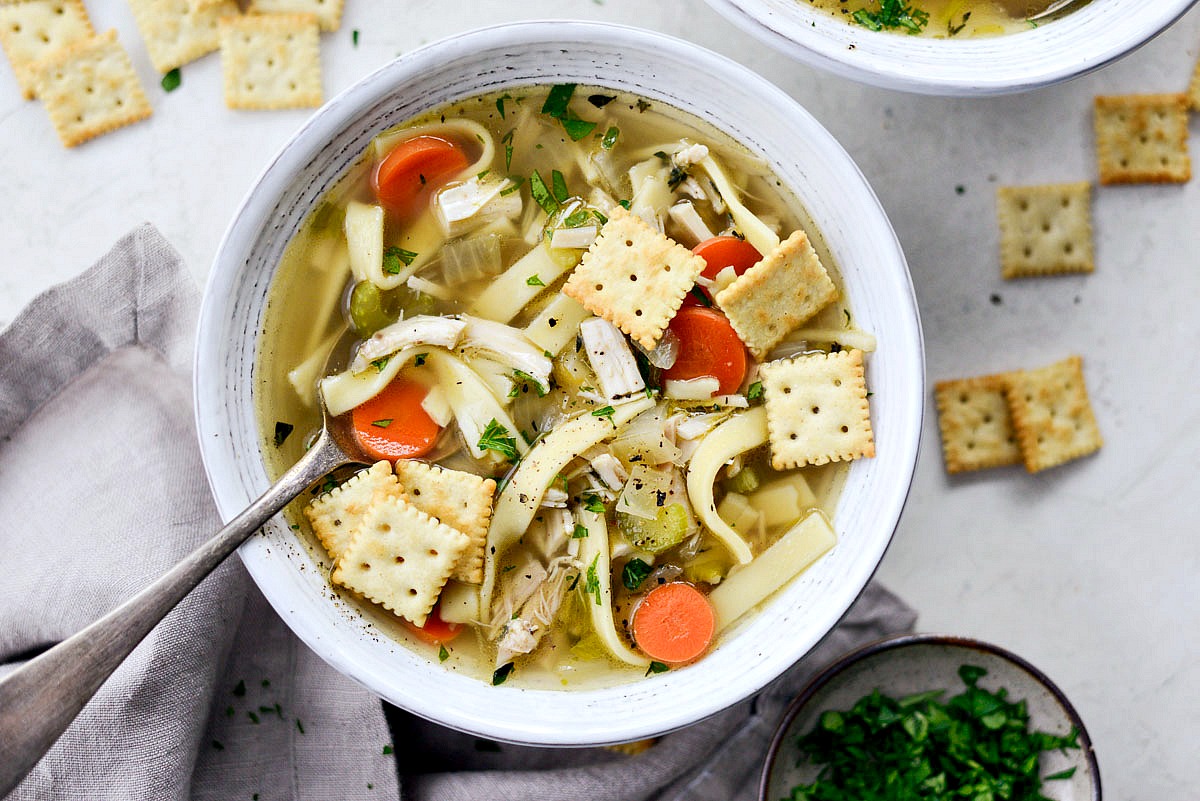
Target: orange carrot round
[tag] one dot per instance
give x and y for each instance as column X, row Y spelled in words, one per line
column 435, row 630
column 718, row 253
column 392, row 425
column 413, row 169
column 708, row 346
column 674, row 623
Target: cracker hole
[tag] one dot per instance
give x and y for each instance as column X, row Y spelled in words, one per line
column 16, row 28
column 412, row 591
column 632, row 277
column 1046, row 227
column 599, row 287
column 628, row 243
column 837, row 382
column 666, row 268
column 963, row 398
column 1068, row 247
column 970, row 446
column 787, row 390
column 415, row 491
column 270, row 62
column 637, row 312
column 45, row 39
column 385, row 527
column 1066, row 201
column 433, row 552
column 845, row 429
column 816, row 410
column 399, row 560
column 793, row 436
column 365, row 566
column 1028, row 251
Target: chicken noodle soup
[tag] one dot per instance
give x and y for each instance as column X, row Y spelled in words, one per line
column 939, row 18
column 608, row 383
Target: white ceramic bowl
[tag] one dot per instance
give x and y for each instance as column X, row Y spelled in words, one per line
column 802, row 153
column 1077, row 43
column 917, row 663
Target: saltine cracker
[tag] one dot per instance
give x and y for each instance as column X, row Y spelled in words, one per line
column 1045, row 230
column 461, row 500
column 90, row 88
column 336, row 515
column 177, row 32
column 32, row 30
column 817, row 409
column 777, row 294
column 400, row 559
column 975, row 424
column 271, row 61
column 634, row 277
column 1052, row 415
column 1142, row 138
column 327, row 12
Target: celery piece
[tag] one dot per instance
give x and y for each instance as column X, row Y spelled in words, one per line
column 665, row 531
column 744, row 481
column 369, row 309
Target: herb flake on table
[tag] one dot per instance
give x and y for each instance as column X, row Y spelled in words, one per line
column 171, row 80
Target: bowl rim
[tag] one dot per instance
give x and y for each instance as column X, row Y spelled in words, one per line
column 919, row 640
column 219, row 291
column 882, row 59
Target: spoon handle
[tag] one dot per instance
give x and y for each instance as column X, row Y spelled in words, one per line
column 40, row 699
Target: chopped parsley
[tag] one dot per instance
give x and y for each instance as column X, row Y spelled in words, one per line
column 524, row 378
column 600, row 101
column 893, row 14
column 604, row 411
column 380, row 363
column 754, row 391
column 496, row 438
column 354, row 37
column 387, row 749
column 558, row 186
column 282, row 432
column 635, row 573
column 975, row 745
column 419, row 359
column 384, row 423
column 643, row 106
column 507, row 141
column 577, row 218
column 533, row 280
column 443, row 654
column 502, row 673
column 394, row 257
column 700, row 295
column 594, row 504
column 541, row 194
column 557, row 106
column 610, row 137
column 592, row 585
column 171, row 80
column 580, row 532
column 500, row 103
column 954, row 30
column 656, row 667
column 513, row 185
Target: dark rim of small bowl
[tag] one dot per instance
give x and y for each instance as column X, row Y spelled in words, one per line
column 905, row 640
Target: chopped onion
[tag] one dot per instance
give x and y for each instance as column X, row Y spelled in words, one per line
column 578, row 238
column 665, row 351
column 471, row 258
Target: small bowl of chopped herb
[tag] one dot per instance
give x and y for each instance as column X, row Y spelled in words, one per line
column 955, row 47
column 931, row 716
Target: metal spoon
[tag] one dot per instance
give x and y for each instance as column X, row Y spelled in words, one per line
column 1054, row 8
column 39, row 700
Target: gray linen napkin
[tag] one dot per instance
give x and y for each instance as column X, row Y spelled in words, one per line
column 101, row 490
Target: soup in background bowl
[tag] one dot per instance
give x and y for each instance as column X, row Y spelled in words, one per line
column 993, row 52
column 239, row 367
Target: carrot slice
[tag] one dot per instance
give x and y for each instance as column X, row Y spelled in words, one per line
column 708, row 346
column 392, row 425
column 674, row 623
column 435, row 630
column 718, row 253
column 408, row 174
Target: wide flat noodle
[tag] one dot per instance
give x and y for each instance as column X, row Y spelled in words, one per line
column 740, row 433
column 594, row 553
column 757, row 232
column 473, row 404
column 344, row 391
column 522, row 495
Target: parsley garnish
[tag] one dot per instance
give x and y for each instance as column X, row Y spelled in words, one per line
column 610, row 138
column 540, row 194
column 754, row 391
column 380, row 363
column 533, row 280
column 384, row 423
column 893, row 14
column 953, row 29
column 420, row 358
column 443, row 654
column 605, row 411
column 700, row 295
column 975, row 745
column 656, row 667
column 507, row 141
column 592, row 586
column 635, row 573
column 594, row 504
column 513, row 186
column 500, row 103
column 576, row 219
column 387, row 749
column 625, row 204
column 556, row 106
column 600, row 101
column 496, row 438
column 354, row 37
column 240, row 689
column 501, row 674
column 394, row 257
column 580, row 532
column 171, row 80
column 282, row 431
column 642, row 106
column 525, row 378
column 558, row 186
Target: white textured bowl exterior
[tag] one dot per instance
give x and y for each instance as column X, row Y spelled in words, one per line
column 751, row 110
column 920, row 662
column 1077, row 43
